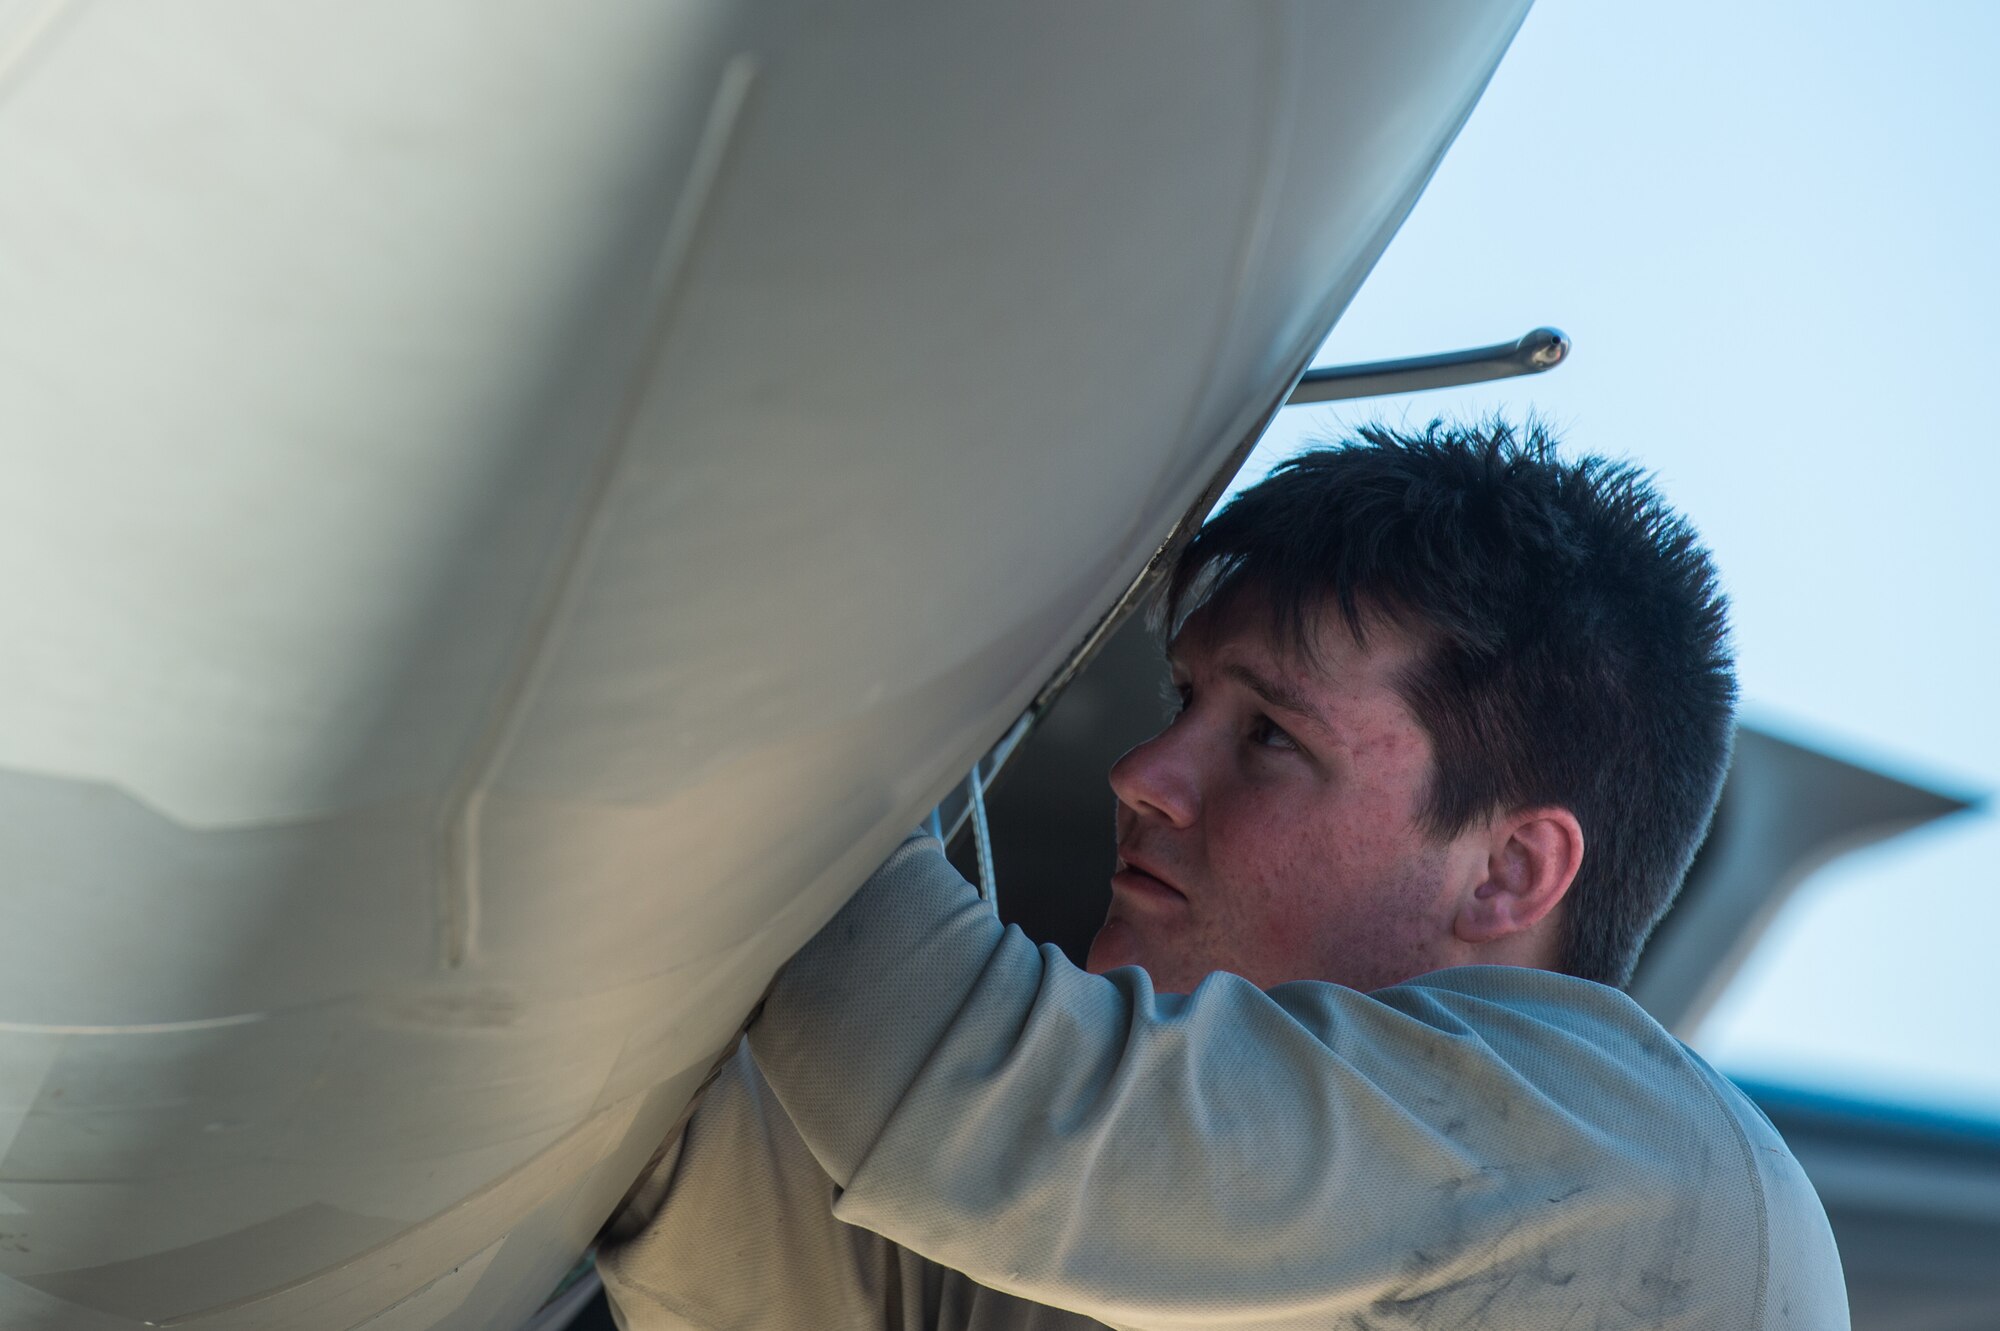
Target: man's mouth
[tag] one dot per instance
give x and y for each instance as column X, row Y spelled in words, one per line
column 1136, row 880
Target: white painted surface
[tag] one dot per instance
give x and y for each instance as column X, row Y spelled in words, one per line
column 513, row 511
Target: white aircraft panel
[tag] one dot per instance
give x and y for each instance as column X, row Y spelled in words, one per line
column 515, row 508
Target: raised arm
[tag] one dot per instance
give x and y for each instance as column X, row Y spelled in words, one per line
column 736, row 1229
column 1486, row 1141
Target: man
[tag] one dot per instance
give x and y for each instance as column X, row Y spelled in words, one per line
column 1454, row 715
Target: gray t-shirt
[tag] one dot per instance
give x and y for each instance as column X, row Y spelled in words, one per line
column 945, row 1126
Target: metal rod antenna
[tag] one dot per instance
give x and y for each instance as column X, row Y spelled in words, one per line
column 1534, row 352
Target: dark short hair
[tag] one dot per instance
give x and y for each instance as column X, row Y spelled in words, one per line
column 1576, row 646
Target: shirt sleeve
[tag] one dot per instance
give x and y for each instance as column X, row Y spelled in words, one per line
column 1489, row 1142
column 736, row 1231
column 741, row 1230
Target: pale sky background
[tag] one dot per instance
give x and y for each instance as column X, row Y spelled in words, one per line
column 1771, row 233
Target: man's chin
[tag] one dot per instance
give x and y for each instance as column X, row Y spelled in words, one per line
column 1119, row 944
column 1116, row 944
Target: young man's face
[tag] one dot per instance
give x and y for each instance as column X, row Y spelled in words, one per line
column 1271, row 828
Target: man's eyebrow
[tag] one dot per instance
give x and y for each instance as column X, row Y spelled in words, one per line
column 1278, row 694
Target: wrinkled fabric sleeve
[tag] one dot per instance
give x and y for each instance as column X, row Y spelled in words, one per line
column 736, row 1232
column 1489, row 1142
column 741, row 1230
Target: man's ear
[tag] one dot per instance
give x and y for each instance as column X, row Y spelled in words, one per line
column 1534, row 858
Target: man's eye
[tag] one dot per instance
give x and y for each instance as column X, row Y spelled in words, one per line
column 1267, row 732
column 1176, row 698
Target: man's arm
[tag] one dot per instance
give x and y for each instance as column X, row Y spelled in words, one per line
column 739, row 1228
column 1484, row 1142
column 738, row 1232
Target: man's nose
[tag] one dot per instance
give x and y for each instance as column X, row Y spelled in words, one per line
column 1157, row 779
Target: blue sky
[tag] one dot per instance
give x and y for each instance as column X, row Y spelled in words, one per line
column 1770, row 231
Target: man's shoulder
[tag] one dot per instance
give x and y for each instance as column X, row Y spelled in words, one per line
column 1605, row 1059
column 1600, row 1056
column 1550, row 1061
column 1543, row 1021
column 1531, row 987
